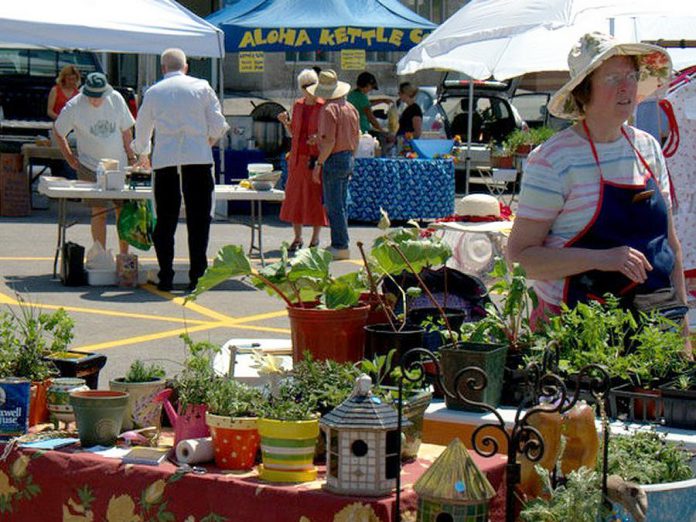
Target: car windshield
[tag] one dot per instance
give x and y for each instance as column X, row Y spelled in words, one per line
column 44, row 63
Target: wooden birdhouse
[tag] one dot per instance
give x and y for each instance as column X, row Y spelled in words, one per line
column 362, row 443
column 453, row 489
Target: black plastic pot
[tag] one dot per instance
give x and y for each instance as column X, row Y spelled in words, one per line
column 433, row 340
column 515, row 384
column 79, row 364
column 380, row 339
column 679, row 407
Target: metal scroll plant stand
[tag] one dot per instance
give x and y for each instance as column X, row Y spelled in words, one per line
column 548, row 394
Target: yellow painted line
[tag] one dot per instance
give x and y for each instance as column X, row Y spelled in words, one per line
column 6, row 299
column 148, row 337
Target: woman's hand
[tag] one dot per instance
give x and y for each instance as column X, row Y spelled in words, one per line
column 284, row 118
column 316, row 174
column 629, row 261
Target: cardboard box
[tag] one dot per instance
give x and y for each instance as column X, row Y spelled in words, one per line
column 15, row 200
column 11, row 163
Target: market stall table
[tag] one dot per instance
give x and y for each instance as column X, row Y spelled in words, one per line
column 405, row 188
column 64, row 485
column 62, row 190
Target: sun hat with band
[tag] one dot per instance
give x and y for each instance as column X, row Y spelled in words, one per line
column 591, row 51
column 96, row 85
column 329, row 87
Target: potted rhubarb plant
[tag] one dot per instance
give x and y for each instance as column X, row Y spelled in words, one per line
column 326, row 314
column 232, row 417
column 143, row 382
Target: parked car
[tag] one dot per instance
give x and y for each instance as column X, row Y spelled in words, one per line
column 493, row 118
column 27, row 75
column 532, row 108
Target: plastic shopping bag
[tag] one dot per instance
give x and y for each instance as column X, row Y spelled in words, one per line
column 100, row 259
column 136, row 223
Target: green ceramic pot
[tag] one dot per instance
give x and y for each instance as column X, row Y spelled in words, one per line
column 99, row 415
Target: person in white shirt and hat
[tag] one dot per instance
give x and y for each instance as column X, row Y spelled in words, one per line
column 594, row 215
column 102, row 124
column 186, row 117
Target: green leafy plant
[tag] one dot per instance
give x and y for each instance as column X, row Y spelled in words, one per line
column 578, row 500
column 28, row 336
column 684, row 382
column 198, row 378
column 643, row 350
column 234, row 399
column 646, row 457
column 302, row 279
column 287, row 407
column 380, row 367
column 509, row 322
column 325, row 383
column 140, row 372
column 541, row 134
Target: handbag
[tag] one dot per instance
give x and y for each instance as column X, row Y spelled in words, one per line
column 663, row 301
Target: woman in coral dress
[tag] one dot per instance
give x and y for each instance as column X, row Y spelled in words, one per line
column 303, row 197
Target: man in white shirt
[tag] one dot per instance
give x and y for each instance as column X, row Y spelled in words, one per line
column 185, row 115
column 102, row 124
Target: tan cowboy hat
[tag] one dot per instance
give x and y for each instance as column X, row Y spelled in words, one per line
column 329, row 88
column 591, row 51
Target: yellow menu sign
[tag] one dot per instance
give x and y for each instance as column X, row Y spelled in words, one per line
column 353, row 59
column 251, row 62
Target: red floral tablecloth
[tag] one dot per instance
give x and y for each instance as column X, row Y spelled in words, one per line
column 67, row 486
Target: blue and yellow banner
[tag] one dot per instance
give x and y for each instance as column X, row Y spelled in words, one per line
column 240, row 39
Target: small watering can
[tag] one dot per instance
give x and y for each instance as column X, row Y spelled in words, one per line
column 189, row 424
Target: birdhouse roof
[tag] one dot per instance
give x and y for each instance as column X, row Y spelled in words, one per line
column 363, row 412
column 454, row 478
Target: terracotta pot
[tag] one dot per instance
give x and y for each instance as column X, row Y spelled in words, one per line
column 236, row 441
column 287, row 449
column 328, row 334
column 99, row 415
column 38, row 407
column 502, row 162
column 142, row 409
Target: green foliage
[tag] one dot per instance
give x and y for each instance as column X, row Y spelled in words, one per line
column 198, row 378
column 578, row 500
column 28, row 336
column 642, row 350
column 420, row 252
column 382, row 366
column 326, row 384
column 234, row 399
column 684, row 382
column 541, row 134
column 647, row 458
column 288, row 407
column 303, row 278
column 140, row 372
column 509, row 323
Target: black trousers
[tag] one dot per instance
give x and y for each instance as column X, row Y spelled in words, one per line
column 197, row 185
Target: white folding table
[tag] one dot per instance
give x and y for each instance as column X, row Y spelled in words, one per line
column 62, row 190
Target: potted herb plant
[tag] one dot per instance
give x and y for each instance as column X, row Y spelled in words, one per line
column 288, row 428
column 232, row 416
column 143, row 382
column 27, row 337
column 416, row 397
column 326, row 315
column 192, row 386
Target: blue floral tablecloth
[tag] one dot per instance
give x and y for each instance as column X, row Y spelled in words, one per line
column 405, row 188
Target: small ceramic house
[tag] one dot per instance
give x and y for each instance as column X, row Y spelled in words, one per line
column 362, row 442
column 453, row 489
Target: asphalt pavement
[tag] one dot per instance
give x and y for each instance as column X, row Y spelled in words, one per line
column 124, row 323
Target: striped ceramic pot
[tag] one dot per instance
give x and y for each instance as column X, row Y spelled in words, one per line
column 235, row 440
column 287, row 450
column 58, row 397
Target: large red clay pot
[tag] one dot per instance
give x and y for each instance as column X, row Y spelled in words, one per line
column 38, row 406
column 338, row 335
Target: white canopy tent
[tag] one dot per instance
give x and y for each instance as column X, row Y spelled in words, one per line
column 126, row 26
column 508, row 38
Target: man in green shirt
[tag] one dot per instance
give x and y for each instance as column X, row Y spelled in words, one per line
column 358, row 98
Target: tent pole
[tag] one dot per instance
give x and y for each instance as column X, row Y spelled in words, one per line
column 469, row 121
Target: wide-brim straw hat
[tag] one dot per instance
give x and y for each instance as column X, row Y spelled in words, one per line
column 591, row 51
column 329, row 87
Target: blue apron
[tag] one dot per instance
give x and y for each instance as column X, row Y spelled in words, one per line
column 632, row 215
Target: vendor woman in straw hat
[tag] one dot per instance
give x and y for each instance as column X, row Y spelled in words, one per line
column 594, row 214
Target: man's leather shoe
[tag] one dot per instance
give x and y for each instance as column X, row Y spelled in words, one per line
column 164, row 286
